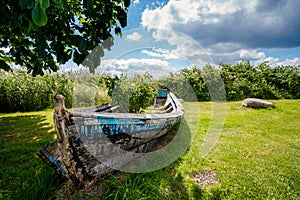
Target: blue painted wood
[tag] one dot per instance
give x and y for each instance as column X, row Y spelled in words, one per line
column 113, row 126
column 129, row 131
column 162, row 93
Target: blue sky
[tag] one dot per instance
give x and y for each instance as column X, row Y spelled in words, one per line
column 171, row 34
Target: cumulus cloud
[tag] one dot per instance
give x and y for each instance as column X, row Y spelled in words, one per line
column 272, row 61
column 186, row 48
column 234, row 57
column 255, row 24
column 293, row 62
column 135, row 36
column 156, row 67
column 160, row 53
column 233, row 27
column 136, row 2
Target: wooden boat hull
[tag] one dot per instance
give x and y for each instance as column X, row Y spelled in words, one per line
column 91, row 143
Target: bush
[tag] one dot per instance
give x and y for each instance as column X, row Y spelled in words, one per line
column 89, row 90
column 133, row 95
column 244, row 80
column 22, row 92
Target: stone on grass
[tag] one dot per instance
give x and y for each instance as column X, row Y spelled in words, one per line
column 257, row 103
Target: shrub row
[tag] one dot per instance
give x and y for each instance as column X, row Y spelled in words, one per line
column 235, row 82
column 22, row 92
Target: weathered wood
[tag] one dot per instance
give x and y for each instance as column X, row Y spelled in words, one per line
column 86, row 138
column 69, row 148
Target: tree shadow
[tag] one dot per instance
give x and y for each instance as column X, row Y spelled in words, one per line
column 23, row 174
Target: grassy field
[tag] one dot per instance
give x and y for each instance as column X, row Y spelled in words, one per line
column 257, row 156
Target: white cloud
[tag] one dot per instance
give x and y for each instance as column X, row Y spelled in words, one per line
column 186, row 11
column 136, row 2
column 185, row 47
column 272, row 61
column 160, row 53
column 230, row 30
column 152, row 54
column 135, row 36
column 156, row 67
column 293, row 62
column 251, row 55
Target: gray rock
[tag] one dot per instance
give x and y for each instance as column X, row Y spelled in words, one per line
column 257, row 103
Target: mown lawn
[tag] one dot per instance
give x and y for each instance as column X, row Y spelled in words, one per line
column 257, row 156
column 22, row 175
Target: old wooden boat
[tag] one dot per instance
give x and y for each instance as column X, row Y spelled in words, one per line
column 93, row 141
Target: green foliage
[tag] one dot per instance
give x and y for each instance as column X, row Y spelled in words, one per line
column 106, row 81
column 39, row 16
column 90, row 90
column 179, row 85
column 20, row 91
column 41, row 34
column 242, row 81
column 195, row 79
column 133, row 95
column 206, row 82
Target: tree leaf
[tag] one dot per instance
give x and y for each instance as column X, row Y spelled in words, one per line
column 122, row 17
column 58, row 3
column 127, row 3
column 118, row 31
column 95, row 22
column 5, row 14
column 44, row 4
column 82, row 45
column 4, row 65
column 26, row 4
column 90, row 6
column 78, row 58
column 39, row 16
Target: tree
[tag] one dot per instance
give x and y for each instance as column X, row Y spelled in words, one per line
column 41, row 34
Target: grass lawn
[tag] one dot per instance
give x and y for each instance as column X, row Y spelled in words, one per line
column 257, row 156
column 22, row 175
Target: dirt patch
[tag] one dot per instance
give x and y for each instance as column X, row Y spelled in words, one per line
column 205, row 179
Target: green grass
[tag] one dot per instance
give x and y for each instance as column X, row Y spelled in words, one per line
column 23, row 175
column 257, row 156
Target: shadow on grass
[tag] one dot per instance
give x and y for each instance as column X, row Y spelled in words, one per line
column 166, row 183
column 162, row 184
column 23, row 174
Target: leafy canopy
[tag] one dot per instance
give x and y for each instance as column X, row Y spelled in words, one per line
column 40, row 34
